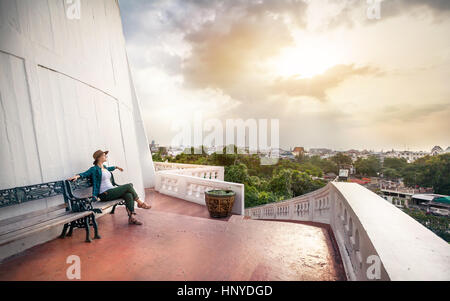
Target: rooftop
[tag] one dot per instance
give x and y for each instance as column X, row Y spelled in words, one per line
column 179, row 241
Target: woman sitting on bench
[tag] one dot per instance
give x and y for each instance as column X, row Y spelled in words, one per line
column 103, row 186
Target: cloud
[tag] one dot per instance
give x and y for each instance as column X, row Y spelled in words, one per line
column 318, row 86
column 412, row 112
column 396, row 7
column 349, row 12
column 221, row 57
column 228, row 50
column 224, row 60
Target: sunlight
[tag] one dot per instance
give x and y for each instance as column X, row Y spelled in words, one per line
column 311, row 58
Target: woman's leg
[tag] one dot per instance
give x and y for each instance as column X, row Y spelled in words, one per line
column 129, row 201
column 119, row 191
column 114, row 193
column 141, row 204
column 132, row 191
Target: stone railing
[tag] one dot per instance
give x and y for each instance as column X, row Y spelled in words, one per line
column 175, row 166
column 199, row 171
column 189, row 182
column 376, row 240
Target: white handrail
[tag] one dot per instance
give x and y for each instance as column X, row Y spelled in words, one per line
column 189, row 182
column 370, row 233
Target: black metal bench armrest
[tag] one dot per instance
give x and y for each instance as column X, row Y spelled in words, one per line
column 68, row 190
column 79, row 204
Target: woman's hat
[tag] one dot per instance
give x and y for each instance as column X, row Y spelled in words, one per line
column 98, row 153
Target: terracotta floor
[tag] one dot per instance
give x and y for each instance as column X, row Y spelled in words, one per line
column 165, row 203
column 179, row 241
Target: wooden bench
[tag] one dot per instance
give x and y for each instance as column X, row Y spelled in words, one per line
column 67, row 203
column 39, row 207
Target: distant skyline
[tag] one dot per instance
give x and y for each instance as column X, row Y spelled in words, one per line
column 340, row 149
column 332, row 76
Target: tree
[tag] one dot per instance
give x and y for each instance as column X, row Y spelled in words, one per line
column 368, row 167
column 392, row 174
column 326, row 165
column 157, row 157
column 341, row 159
column 280, row 184
column 395, row 163
column 301, row 182
column 429, row 171
column 236, row 174
column 251, row 197
column 266, row 197
column 438, row 224
column 223, row 159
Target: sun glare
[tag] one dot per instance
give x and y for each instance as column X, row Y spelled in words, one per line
column 307, row 60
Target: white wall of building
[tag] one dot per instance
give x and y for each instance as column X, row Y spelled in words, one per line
column 66, row 91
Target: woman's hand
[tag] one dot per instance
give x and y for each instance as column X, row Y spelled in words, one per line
column 119, row 168
column 74, row 178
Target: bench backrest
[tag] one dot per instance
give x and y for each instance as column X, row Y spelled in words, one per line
column 19, row 195
column 81, row 188
column 30, row 201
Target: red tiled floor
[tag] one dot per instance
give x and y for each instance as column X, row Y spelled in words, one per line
column 171, row 246
column 167, row 203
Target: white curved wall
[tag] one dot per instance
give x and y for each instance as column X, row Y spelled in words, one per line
column 66, row 91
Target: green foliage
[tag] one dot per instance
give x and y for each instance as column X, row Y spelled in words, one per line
column 157, row 157
column 341, row 159
column 237, row 174
column 438, row 224
column 392, row 174
column 291, row 178
column 281, row 183
column 327, row 166
column 253, row 197
column 395, row 163
column 302, row 183
column 429, row 171
column 368, row 167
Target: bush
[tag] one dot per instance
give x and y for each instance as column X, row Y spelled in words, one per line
column 438, row 224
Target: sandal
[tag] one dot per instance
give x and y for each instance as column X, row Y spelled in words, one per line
column 133, row 221
column 144, row 205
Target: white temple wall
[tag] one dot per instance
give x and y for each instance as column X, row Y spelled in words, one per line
column 65, row 91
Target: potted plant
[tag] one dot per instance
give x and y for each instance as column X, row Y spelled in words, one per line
column 219, row 202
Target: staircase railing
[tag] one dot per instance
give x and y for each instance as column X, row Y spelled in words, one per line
column 376, row 240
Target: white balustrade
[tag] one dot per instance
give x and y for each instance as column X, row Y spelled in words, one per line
column 195, row 170
column 370, row 233
column 189, row 182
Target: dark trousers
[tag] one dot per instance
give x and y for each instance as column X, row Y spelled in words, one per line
column 125, row 192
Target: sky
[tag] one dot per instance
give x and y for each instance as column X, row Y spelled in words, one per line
column 335, row 73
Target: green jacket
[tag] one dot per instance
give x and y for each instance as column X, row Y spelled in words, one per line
column 95, row 173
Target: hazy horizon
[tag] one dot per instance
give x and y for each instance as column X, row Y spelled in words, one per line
column 333, row 77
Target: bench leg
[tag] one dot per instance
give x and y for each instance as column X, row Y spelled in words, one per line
column 69, row 234
column 63, row 233
column 94, row 224
column 114, row 209
column 88, row 234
